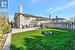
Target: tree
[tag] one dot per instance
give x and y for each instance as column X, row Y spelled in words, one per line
column 4, row 26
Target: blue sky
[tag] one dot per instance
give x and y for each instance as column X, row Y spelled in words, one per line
column 61, row 8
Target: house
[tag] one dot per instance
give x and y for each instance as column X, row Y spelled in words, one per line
column 26, row 20
column 22, row 20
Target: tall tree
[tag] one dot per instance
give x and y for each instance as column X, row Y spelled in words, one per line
column 4, row 26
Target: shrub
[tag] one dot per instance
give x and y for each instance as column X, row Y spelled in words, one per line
column 1, row 32
column 4, row 26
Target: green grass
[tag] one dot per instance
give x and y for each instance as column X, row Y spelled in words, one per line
column 35, row 40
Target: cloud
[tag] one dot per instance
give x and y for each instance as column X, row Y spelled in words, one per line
column 34, row 1
column 63, row 7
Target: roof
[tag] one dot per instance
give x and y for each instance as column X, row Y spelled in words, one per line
column 58, row 19
column 41, row 19
column 29, row 15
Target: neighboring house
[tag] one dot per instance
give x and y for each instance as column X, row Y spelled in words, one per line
column 61, row 20
column 58, row 23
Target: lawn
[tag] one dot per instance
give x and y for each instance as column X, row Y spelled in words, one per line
column 35, row 40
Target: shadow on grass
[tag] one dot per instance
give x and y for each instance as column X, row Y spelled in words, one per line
column 13, row 47
column 43, row 43
column 36, row 43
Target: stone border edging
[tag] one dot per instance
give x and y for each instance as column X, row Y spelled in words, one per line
column 6, row 45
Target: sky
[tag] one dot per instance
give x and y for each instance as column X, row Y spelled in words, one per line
column 60, row 8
